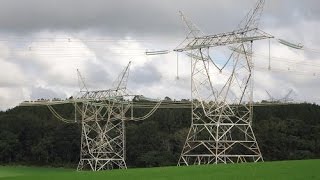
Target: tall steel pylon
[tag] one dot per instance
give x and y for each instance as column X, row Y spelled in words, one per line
column 221, row 127
column 102, row 115
column 103, row 125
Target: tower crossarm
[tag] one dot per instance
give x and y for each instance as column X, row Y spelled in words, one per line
column 101, row 94
column 223, row 39
column 82, row 97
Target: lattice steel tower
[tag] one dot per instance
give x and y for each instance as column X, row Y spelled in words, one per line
column 103, row 125
column 221, row 130
column 102, row 115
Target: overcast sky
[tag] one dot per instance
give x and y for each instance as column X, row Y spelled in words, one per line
column 43, row 42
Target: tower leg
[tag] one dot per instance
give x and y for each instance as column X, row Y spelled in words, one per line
column 228, row 139
column 221, row 129
column 102, row 145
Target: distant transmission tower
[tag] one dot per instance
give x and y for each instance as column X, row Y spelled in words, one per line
column 103, row 126
column 102, row 116
column 221, row 130
column 284, row 100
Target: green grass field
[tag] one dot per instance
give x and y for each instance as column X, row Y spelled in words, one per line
column 305, row 169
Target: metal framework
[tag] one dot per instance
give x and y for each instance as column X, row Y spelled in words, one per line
column 102, row 115
column 221, row 130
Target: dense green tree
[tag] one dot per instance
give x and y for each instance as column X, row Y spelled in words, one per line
column 33, row 136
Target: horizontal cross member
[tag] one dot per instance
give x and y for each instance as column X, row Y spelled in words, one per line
column 234, row 37
column 102, row 94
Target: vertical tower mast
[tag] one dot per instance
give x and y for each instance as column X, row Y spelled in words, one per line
column 102, row 115
column 221, row 129
column 103, row 126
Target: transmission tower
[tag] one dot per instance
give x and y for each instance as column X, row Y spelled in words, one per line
column 102, row 115
column 286, row 99
column 103, row 126
column 221, row 128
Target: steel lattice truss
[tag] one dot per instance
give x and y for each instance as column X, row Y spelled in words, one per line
column 103, row 135
column 103, row 127
column 102, row 115
column 221, row 130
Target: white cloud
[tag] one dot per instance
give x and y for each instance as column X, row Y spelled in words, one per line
column 11, row 97
column 11, row 75
column 44, row 62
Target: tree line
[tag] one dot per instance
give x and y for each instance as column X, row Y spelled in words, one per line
column 33, row 136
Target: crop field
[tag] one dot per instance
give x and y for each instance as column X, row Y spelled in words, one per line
column 304, row 169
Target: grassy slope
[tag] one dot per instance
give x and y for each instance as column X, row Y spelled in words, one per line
column 307, row 169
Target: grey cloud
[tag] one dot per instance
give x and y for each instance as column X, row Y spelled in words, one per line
column 145, row 75
column 39, row 93
column 111, row 16
column 143, row 17
column 97, row 76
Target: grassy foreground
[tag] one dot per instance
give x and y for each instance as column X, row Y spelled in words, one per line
column 304, row 169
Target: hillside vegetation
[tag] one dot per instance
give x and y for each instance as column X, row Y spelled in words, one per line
column 32, row 136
